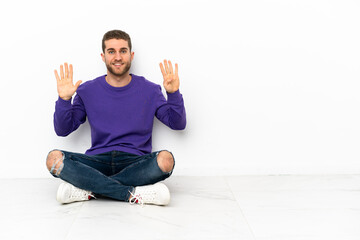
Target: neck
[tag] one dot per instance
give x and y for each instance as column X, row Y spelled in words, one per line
column 118, row 81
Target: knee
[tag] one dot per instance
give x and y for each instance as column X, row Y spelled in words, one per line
column 54, row 162
column 165, row 161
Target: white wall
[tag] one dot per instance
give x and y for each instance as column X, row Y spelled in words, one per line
column 270, row 87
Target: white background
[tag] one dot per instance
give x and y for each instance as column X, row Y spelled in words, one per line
column 270, row 87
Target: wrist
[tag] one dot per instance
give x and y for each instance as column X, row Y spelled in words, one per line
column 171, row 90
column 65, row 98
column 173, row 94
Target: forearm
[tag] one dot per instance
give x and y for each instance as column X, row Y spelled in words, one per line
column 65, row 117
column 173, row 113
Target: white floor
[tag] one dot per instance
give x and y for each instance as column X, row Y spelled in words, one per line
column 239, row 207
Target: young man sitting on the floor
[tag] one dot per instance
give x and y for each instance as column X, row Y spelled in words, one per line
column 120, row 108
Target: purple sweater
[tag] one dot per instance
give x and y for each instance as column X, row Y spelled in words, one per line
column 120, row 118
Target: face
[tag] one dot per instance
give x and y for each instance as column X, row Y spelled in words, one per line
column 117, row 57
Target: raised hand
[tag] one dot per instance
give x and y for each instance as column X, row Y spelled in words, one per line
column 65, row 86
column 171, row 79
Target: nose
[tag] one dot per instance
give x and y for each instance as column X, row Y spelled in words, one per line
column 118, row 56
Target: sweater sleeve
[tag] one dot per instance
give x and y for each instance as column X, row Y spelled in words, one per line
column 68, row 117
column 172, row 112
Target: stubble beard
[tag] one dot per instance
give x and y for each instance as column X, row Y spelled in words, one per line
column 119, row 73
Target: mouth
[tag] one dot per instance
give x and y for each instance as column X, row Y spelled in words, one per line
column 118, row 64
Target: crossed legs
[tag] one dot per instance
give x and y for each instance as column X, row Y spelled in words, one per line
column 55, row 161
column 119, row 186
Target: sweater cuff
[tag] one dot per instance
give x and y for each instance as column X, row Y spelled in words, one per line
column 174, row 97
column 64, row 103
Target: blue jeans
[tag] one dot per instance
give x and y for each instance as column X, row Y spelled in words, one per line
column 113, row 174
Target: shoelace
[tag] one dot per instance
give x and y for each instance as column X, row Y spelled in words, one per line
column 136, row 199
column 144, row 197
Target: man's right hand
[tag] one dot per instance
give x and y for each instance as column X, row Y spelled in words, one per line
column 65, row 86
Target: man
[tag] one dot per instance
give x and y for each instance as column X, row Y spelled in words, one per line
column 120, row 108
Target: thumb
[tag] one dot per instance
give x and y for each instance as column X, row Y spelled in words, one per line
column 77, row 84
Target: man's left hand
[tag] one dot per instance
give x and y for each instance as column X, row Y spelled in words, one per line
column 171, row 78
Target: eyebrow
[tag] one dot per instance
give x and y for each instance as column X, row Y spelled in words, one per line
column 113, row 49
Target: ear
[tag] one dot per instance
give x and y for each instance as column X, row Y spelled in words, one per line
column 103, row 57
column 132, row 55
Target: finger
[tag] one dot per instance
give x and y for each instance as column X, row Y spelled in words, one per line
column 61, row 71
column 57, row 76
column 77, row 84
column 71, row 72
column 162, row 70
column 166, row 66
column 66, row 70
column 176, row 69
column 170, row 67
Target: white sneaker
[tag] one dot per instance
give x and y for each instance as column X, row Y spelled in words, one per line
column 68, row 193
column 157, row 194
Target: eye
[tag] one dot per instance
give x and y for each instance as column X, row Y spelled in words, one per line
column 111, row 52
